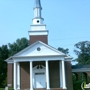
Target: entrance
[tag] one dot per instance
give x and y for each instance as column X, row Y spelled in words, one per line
column 40, row 80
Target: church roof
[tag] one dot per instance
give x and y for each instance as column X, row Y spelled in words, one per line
column 40, row 49
column 80, row 68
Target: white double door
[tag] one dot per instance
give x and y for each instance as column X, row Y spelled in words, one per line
column 40, row 80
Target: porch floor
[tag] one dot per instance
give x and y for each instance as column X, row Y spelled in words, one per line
column 45, row 89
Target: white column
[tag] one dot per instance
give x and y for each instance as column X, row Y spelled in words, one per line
column 31, row 78
column 15, row 75
column 18, row 75
column 60, row 68
column 63, row 75
column 47, row 75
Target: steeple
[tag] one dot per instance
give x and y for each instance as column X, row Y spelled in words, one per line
column 37, row 13
column 37, row 4
column 38, row 30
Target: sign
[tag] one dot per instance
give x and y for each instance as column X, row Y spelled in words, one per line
column 9, row 85
column 6, row 88
column 85, row 86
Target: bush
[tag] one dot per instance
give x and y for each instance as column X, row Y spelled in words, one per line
column 77, row 84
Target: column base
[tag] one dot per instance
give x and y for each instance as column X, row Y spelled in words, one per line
column 31, row 88
column 18, row 88
column 48, row 89
column 64, row 87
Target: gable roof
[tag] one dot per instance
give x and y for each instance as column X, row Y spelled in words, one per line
column 42, row 46
column 39, row 49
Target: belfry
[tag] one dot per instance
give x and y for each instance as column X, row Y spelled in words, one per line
column 39, row 66
column 38, row 30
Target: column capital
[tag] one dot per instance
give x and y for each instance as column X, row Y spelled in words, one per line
column 30, row 61
column 14, row 61
column 47, row 60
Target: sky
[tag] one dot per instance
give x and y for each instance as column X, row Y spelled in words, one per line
column 68, row 21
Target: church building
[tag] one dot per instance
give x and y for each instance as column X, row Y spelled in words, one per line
column 39, row 66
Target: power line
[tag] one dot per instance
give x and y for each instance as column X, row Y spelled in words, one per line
column 53, row 40
column 68, row 38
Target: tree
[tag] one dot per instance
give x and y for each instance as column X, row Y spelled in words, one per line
column 3, row 64
column 7, row 51
column 83, row 52
column 18, row 46
column 66, row 51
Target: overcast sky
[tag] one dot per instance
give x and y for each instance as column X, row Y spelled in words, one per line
column 68, row 21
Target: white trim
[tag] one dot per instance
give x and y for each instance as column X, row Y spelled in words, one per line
column 18, row 75
column 63, row 75
column 38, row 58
column 69, row 58
column 38, row 28
column 10, row 62
column 31, row 76
column 48, row 46
column 15, row 75
column 31, row 33
column 47, row 75
column 43, row 67
column 35, row 70
column 81, row 70
column 39, row 25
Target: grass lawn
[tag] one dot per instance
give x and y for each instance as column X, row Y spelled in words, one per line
column 1, row 88
column 4, row 89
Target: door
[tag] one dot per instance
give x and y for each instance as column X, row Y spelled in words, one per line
column 40, row 80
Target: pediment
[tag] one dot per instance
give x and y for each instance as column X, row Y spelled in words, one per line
column 39, row 49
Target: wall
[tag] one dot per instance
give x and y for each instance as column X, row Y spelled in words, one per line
column 10, row 75
column 68, row 70
column 54, row 74
column 25, row 75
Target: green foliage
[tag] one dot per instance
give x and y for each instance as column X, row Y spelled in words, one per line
column 7, row 51
column 3, row 64
column 66, row 51
column 83, row 52
column 2, row 88
column 74, row 77
column 77, row 83
column 18, row 46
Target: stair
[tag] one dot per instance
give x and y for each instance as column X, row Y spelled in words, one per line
column 45, row 89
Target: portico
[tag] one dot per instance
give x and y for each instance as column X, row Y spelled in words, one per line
column 39, row 66
column 40, row 73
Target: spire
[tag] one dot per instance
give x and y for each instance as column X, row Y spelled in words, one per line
column 37, row 13
column 38, row 30
column 37, row 4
